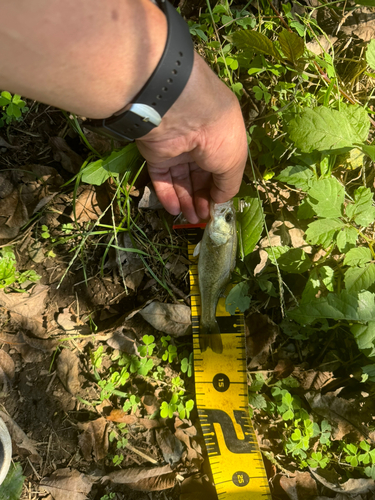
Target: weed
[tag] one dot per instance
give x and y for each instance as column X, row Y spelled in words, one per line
column 10, row 278
column 12, row 106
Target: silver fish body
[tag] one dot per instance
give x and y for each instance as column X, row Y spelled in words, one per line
column 217, row 258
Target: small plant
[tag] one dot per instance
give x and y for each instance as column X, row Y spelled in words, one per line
column 149, row 346
column 131, row 404
column 109, row 496
column 187, row 365
column 9, row 276
column 12, row 106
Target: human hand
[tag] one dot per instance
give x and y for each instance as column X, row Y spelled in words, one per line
column 199, row 150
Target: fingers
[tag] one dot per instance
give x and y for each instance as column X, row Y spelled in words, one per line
column 163, row 184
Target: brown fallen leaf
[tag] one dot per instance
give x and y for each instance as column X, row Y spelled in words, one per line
column 173, row 319
column 261, row 333
column 340, row 411
column 21, row 443
column 31, row 350
column 198, row 487
column 149, row 199
column 351, row 487
column 120, row 416
column 6, row 185
column 71, row 324
column 94, row 440
column 170, row 446
column 283, row 368
column 144, row 478
column 151, row 403
column 194, row 450
column 300, row 487
column 312, row 380
column 68, row 371
column 7, row 371
column 69, row 484
column 124, row 340
column 86, row 206
column 69, row 159
column 26, row 309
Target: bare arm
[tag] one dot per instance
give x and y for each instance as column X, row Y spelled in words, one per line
column 92, row 57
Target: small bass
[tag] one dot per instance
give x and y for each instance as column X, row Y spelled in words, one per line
column 217, row 258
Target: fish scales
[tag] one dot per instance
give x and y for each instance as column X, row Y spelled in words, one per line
column 217, row 258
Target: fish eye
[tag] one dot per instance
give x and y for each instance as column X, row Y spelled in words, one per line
column 228, row 217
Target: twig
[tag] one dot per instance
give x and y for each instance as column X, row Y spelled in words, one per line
column 141, row 454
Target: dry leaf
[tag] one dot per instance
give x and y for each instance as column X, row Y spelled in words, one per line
column 173, row 319
column 300, row 487
column 149, row 199
column 124, row 341
column 68, row 321
column 27, row 308
column 198, row 487
column 69, row 159
column 30, row 349
column 144, row 478
column 68, row 371
column 69, row 484
column 150, row 403
column 94, row 440
column 6, row 186
column 350, row 487
column 342, row 412
column 120, row 416
column 312, row 380
column 170, row 446
column 7, row 370
column 87, row 207
column 283, row 368
column 262, row 333
column 19, row 439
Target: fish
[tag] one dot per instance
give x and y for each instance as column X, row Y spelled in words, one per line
column 217, row 258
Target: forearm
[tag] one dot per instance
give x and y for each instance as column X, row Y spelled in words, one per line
column 88, row 57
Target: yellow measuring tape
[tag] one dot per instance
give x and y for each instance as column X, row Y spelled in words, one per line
column 222, row 402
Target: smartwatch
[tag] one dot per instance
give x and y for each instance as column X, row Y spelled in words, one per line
column 161, row 90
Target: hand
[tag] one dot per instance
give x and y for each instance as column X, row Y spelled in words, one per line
column 199, row 150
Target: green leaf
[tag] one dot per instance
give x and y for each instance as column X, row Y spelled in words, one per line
column 312, row 287
column 290, row 260
column 361, row 210
column 347, row 239
column 326, row 196
column 369, row 150
column 369, row 370
column 250, row 224
column 291, row 44
column 357, row 256
column 238, row 298
column 358, row 119
column 327, row 275
column 369, row 3
column 324, row 129
column 259, row 43
column 360, row 278
column 343, row 306
column 116, row 163
column 370, row 52
column 257, row 401
column 322, row 231
column 299, row 176
column 305, row 210
column 13, row 110
column 11, row 488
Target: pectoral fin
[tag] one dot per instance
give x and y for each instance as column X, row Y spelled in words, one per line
column 197, row 249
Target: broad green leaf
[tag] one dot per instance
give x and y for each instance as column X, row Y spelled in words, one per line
column 365, row 336
column 293, row 260
column 13, row 110
column 11, row 488
column 312, row 287
column 343, row 306
column 346, row 239
column 326, row 196
column 299, row 176
column 369, row 370
column 369, row 3
column 4, row 101
column 357, row 256
column 327, row 276
column 305, row 210
column 358, row 119
column 250, row 224
column 292, row 45
column 246, row 39
column 361, row 210
column 257, row 401
column 323, row 129
column 275, row 252
column 238, row 298
column 370, row 52
column 369, row 150
column 116, row 163
column 322, row 231
column 360, row 278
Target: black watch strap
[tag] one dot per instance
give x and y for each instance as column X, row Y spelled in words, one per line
column 162, row 88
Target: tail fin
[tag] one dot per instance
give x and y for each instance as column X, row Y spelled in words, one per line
column 209, row 336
